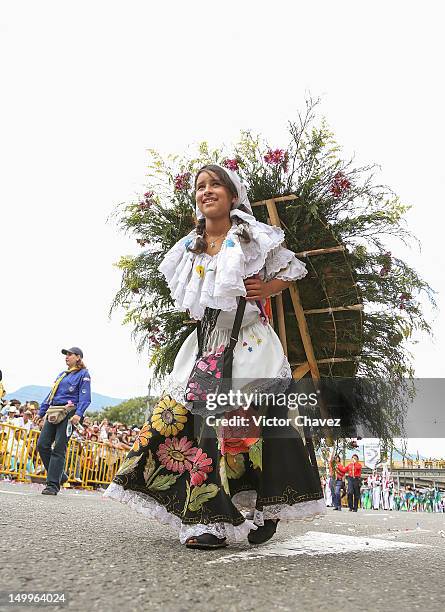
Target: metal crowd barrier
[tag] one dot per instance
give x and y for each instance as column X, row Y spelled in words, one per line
column 88, row 464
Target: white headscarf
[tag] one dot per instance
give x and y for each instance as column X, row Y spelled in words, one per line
column 242, row 199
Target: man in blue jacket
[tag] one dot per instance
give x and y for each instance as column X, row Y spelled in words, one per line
column 72, row 391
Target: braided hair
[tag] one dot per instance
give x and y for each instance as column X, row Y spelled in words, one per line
column 201, row 242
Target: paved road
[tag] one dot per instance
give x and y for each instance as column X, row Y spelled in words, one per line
column 106, row 557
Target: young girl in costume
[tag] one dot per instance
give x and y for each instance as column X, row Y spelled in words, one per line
column 199, row 483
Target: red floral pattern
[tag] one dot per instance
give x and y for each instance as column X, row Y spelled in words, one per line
column 201, row 466
column 176, row 454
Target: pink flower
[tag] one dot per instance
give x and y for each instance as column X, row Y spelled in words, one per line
column 231, row 164
column 176, row 454
column 201, row 466
column 340, row 183
column 404, row 300
column 274, row 158
column 148, row 201
column 182, row 181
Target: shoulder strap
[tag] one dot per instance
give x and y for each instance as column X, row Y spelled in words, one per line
column 237, row 323
column 56, row 386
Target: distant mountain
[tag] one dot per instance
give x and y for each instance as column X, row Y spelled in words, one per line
column 38, row 393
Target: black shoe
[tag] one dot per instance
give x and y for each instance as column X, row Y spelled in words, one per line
column 206, row 541
column 64, row 479
column 49, row 491
column 355, row 511
column 263, row 533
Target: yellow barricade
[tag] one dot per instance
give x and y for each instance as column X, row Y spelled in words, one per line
column 88, row 464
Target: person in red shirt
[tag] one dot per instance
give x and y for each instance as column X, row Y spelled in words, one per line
column 354, row 472
column 338, row 472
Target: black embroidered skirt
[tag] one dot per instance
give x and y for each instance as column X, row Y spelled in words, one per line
column 182, row 474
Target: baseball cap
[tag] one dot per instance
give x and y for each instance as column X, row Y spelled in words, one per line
column 74, row 349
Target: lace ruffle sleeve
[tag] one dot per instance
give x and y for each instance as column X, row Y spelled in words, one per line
column 176, row 267
column 282, row 263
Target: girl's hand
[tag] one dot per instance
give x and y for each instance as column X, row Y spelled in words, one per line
column 256, row 288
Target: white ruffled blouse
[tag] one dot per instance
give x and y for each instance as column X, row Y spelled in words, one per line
column 200, row 281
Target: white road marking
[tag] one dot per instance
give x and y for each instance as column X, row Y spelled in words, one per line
column 315, row 543
column 14, row 493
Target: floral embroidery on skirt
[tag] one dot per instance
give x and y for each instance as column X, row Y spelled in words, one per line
column 180, row 471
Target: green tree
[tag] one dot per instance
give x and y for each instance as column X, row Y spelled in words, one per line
column 130, row 412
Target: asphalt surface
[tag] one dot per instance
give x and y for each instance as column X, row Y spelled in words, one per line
column 103, row 556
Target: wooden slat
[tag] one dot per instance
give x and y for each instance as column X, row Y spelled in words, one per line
column 336, row 309
column 301, row 370
column 279, row 199
column 273, row 213
column 336, row 249
column 304, row 331
column 329, row 360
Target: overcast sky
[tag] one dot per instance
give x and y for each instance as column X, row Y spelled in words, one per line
column 89, row 86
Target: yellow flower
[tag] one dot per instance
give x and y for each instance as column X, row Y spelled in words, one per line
column 200, row 271
column 143, row 437
column 168, row 416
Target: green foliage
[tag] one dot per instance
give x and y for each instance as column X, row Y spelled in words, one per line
column 95, row 415
column 338, row 204
column 130, row 412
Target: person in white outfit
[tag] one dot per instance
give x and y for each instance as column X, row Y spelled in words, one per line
column 376, row 491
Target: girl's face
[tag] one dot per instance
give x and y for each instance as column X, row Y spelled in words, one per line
column 214, row 200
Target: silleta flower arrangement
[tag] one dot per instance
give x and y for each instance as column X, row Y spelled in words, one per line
column 372, row 300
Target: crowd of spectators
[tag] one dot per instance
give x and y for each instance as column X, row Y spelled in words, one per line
column 117, row 434
column 111, row 437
